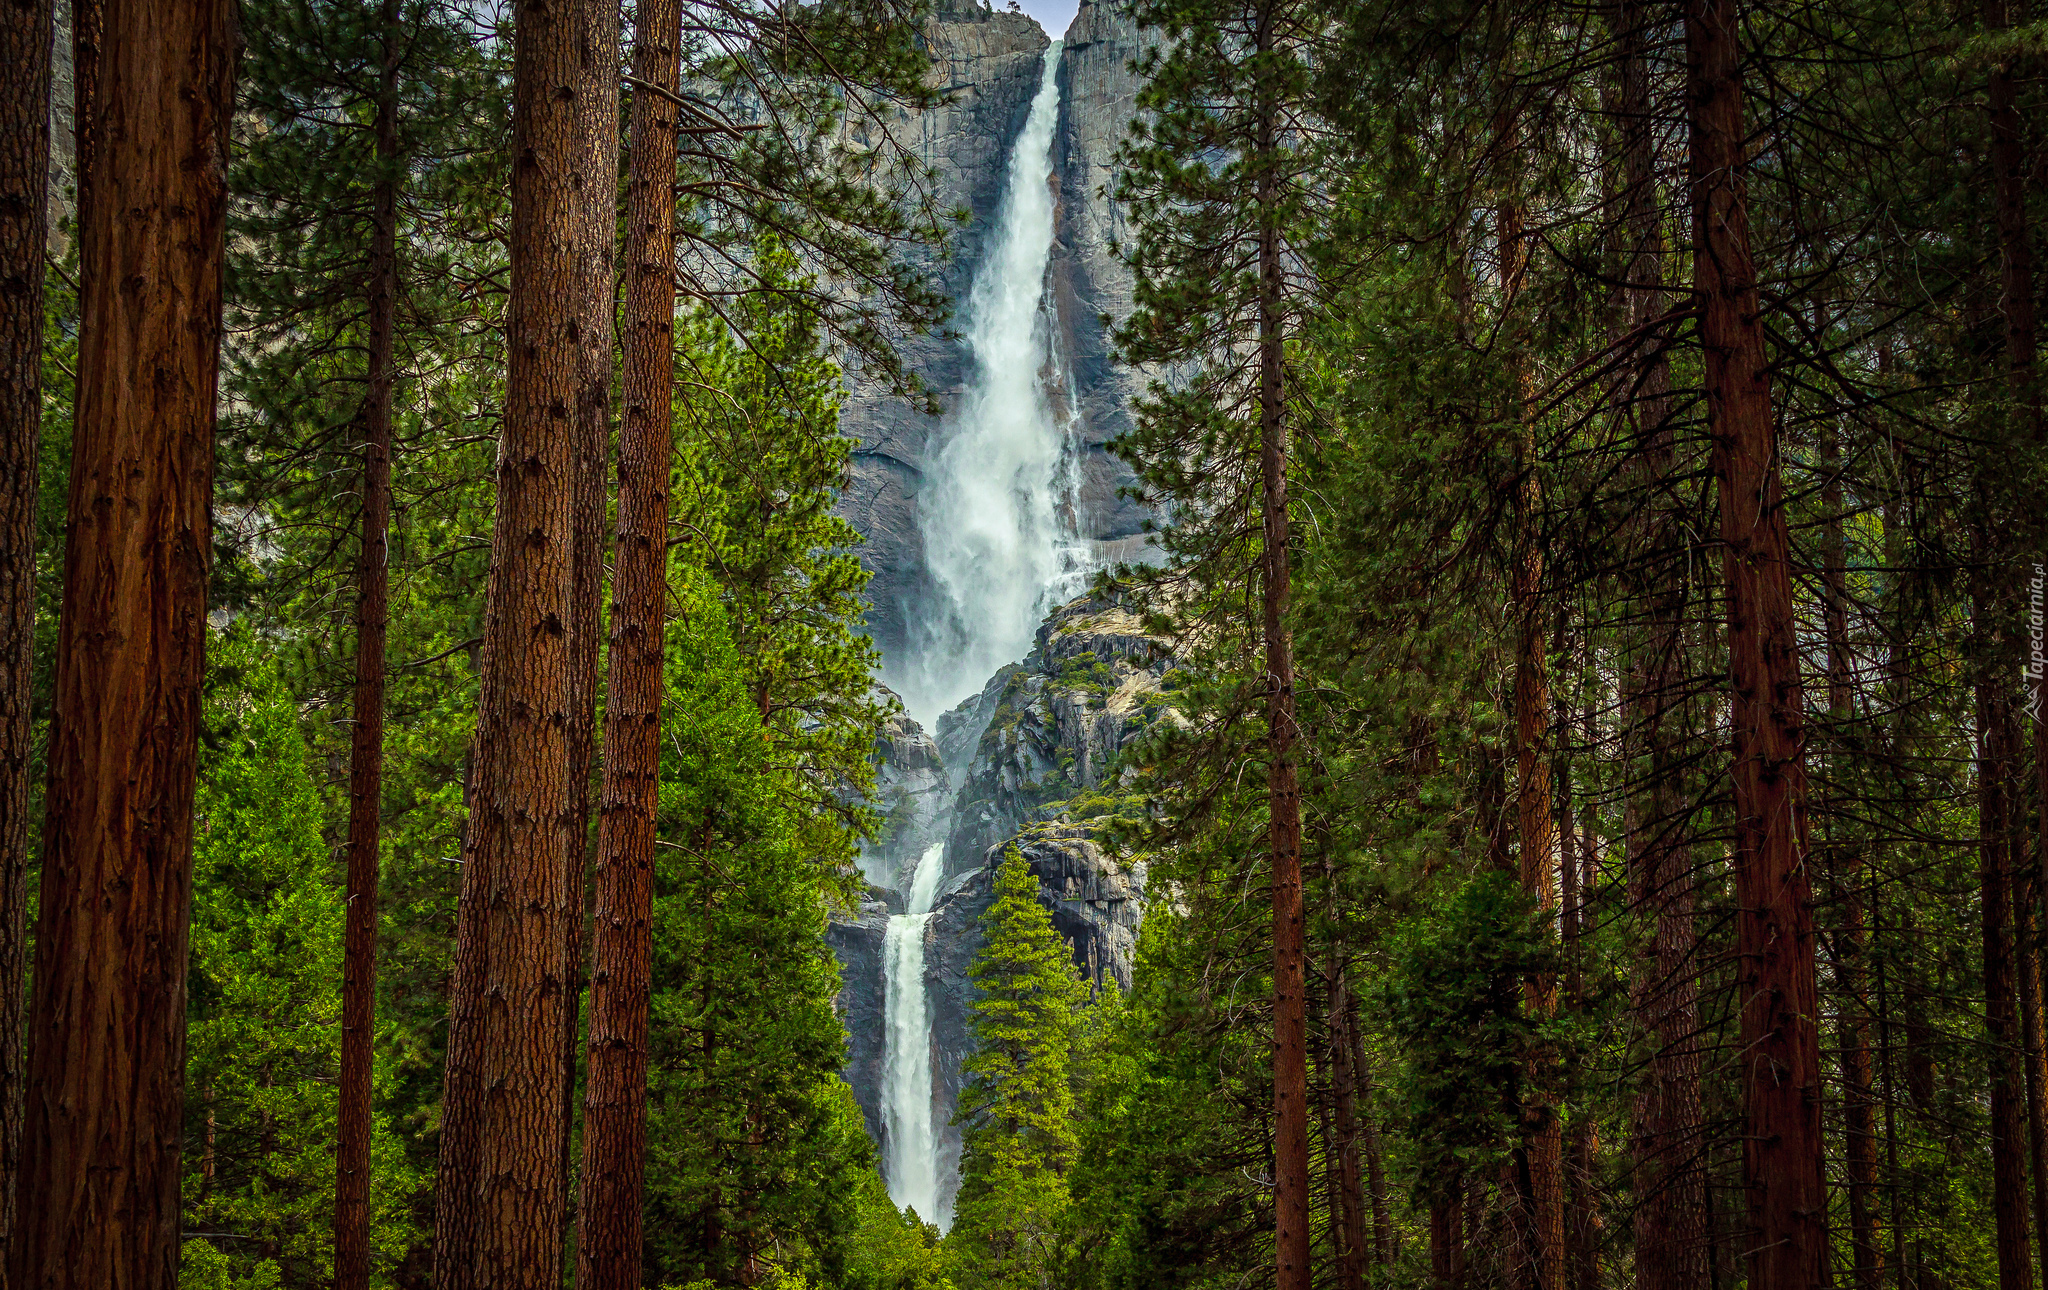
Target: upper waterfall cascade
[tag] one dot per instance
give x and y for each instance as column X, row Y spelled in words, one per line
column 998, row 513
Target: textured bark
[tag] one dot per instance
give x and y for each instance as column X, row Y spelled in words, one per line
column 1576, row 852
column 1446, row 1244
column 1348, row 1210
column 2026, row 941
column 2016, row 306
column 1859, row 1139
column 1779, row 1038
column 26, row 33
column 608, row 1227
column 1542, row 1146
column 1667, row 1118
column 1375, row 1161
column 105, row 1095
column 1290, row 1004
column 1998, row 745
column 500, row 1202
column 366, row 734
column 597, row 140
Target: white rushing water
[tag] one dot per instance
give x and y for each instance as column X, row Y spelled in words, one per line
column 998, row 511
column 913, row 1172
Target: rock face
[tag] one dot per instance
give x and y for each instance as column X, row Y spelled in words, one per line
column 914, row 797
column 1008, row 763
column 992, row 63
column 1044, row 731
column 1093, row 682
column 1091, row 286
column 856, row 941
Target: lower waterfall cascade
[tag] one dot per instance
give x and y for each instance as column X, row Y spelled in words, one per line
column 913, row 1173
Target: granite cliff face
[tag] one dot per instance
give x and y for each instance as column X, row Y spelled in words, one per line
column 992, row 61
column 1040, row 736
column 1093, row 683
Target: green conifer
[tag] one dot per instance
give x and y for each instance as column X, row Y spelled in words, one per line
column 1018, row 1104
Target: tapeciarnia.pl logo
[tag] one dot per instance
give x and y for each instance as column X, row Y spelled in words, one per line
column 2037, row 655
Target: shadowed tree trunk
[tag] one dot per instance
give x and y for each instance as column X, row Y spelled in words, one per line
column 105, row 1092
column 2016, row 306
column 25, row 48
column 608, row 1230
column 366, row 736
column 1290, row 1004
column 1998, row 745
column 1347, row 1212
column 1577, row 852
column 1779, row 1036
column 1667, row 1117
column 500, row 1201
column 1541, row 1171
column 1859, row 1137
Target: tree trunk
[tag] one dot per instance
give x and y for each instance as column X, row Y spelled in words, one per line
column 1779, row 1037
column 1998, row 744
column 105, row 1094
column 1446, row 1243
column 26, row 33
column 608, row 1231
column 500, row 1202
column 1667, row 1119
column 1375, row 1163
column 1582, row 1145
column 1846, row 859
column 1542, row 1145
column 2026, row 941
column 1290, row 1005
column 366, row 736
column 597, row 127
column 1348, row 1214
column 2016, row 305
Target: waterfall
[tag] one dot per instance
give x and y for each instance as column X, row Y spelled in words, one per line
column 913, row 1172
column 997, row 514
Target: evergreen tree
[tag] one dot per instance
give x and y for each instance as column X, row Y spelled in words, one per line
column 1017, row 1105
column 753, row 1162
column 264, row 1038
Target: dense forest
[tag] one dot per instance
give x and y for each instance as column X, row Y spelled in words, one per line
column 1591, row 802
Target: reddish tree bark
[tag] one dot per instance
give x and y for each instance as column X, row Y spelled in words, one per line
column 1998, row 748
column 1667, row 1118
column 608, row 1231
column 105, row 1094
column 1291, row 1194
column 1540, row 1177
column 366, row 734
column 597, row 128
column 1859, row 1135
column 500, row 1201
column 1779, row 1035
column 2016, row 306
column 26, row 33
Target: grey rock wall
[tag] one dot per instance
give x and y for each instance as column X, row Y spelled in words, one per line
column 1009, row 763
column 1093, row 683
column 992, row 61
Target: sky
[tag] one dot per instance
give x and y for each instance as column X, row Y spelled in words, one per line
column 1053, row 15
